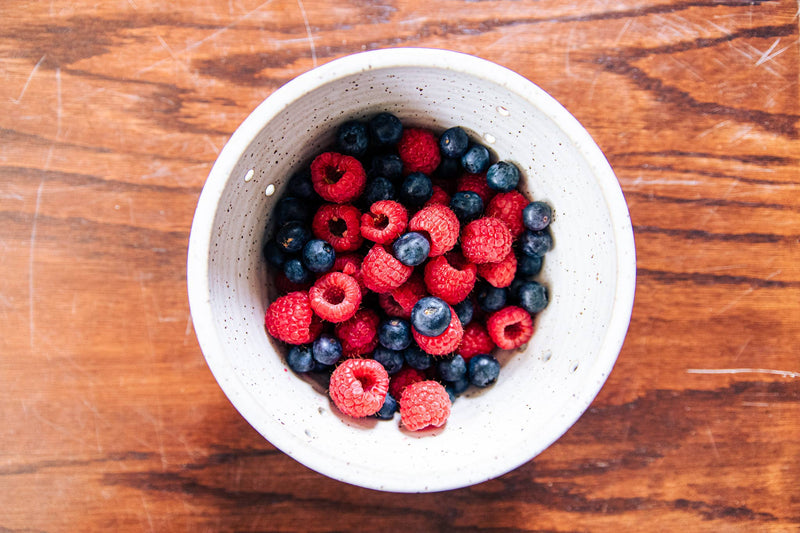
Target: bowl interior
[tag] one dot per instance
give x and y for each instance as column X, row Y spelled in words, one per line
column 542, row 389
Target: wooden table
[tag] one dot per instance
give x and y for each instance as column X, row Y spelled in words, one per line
column 112, row 115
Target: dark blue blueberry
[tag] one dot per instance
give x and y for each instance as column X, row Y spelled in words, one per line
column 318, row 255
column 430, row 316
column 417, row 358
column 411, row 248
column 416, row 189
column 467, row 205
column 452, row 369
column 532, row 296
column 296, row 272
column 454, row 142
column 536, row 243
column 290, row 209
column 292, row 236
column 465, row 310
column 388, row 409
column 300, row 185
column 502, row 176
column 449, row 168
column 528, row 265
column 476, row 159
column 273, row 254
column 352, row 138
column 322, row 368
column 299, row 358
column 386, row 129
column 459, row 385
column 491, row 298
column 378, row 189
column 395, row 333
column 483, row 370
column 389, row 166
column 392, row 360
column 327, row 350
column 451, row 393
column 536, row 216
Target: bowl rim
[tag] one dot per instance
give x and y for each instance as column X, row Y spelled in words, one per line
column 202, row 230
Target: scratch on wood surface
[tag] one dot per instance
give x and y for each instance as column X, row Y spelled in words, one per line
column 713, row 441
column 147, row 513
column 18, row 99
column 308, row 33
column 783, row 373
column 32, row 246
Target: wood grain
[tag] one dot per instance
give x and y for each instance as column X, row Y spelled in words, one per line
column 112, row 115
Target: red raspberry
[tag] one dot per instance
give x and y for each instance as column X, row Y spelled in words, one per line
column 339, row 225
column 439, row 197
column 500, row 274
column 350, row 264
column 404, row 378
column 424, row 404
column 508, row 206
column 290, row 319
column 382, row 272
column 476, row 183
column 440, row 225
column 409, row 293
column 389, row 305
column 335, row 297
column 510, row 327
column 285, row 286
column 359, row 334
column 476, row 340
column 337, row 177
column 358, row 387
column 445, row 343
column 450, row 277
column 486, row 240
column 419, row 151
column 385, row 221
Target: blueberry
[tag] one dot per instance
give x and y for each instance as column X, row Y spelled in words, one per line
column 503, row 176
column 299, row 358
column 454, row 142
column 467, row 205
column 491, row 298
column 290, row 209
column 536, row 243
column 300, row 185
column 465, row 310
column 389, row 166
column 273, row 254
column 417, row 358
column 296, row 272
column 411, row 249
column 392, row 360
column 292, row 236
column 536, row 216
column 352, row 138
column 532, row 296
column 528, row 265
column 416, row 189
column 449, row 168
column 327, row 350
column 430, row 316
column 483, row 370
column 459, row 385
column 395, row 333
column 476, row 159
column 451, row 392
column 318, row 255
column 388, row 409
column 452, row 369
column 386, row 129
column 378, row 189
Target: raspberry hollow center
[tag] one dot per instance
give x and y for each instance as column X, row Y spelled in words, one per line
column 337, row 226
column 334, row 295
column 512, row 331
column 333, row 175
column 380, row 222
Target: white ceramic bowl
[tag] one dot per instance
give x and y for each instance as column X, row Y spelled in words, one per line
column 590, row 272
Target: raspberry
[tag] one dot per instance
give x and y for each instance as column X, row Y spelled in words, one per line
column 441, row 226
column 338, row 178
column 408, row 294
column 285, row 286
column 382, row 272
column 486, row 240
column 339, row 225
column 445, row 343
column 476, row 183
column 385, row 221
column 510, row 327
column 350, row 264
column 359, row 334
column 358, row 387
column 403, row 379
column 424, row 404
column 419, row 151
column 450, row 277
column 439, row 197
column 500, row 274
column 508, row 207
column 290, row 319
column 335, row 297
column 475, row 340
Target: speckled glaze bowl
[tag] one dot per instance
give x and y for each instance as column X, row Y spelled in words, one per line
column 542, row 390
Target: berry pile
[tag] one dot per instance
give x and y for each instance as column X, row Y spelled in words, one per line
column 403, row 260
